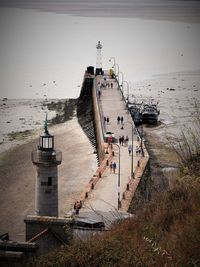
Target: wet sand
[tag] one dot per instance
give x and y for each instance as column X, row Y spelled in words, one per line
column 17, row 175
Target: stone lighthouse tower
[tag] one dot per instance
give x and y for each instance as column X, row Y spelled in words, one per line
column 46, row 159
column 99, row 70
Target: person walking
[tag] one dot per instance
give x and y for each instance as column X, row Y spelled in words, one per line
column 129, row 149
column 137, row 150
column 107, row 119
column 122, row 119
column 114, row 166
column 77, row 207
column 126, row 140
column 120, row 140
column 110, row 139
column 111, row 166
column 118, row 119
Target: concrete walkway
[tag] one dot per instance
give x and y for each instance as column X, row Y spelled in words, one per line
column 102, row 201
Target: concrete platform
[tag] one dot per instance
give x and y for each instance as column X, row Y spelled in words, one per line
column 102, row 201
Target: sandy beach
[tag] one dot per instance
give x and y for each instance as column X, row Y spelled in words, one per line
column 17, row 176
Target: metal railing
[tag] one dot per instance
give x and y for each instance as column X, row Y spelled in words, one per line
column 100, row 110
column 123, row 97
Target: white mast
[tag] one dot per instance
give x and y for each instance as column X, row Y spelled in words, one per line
column 99, row 59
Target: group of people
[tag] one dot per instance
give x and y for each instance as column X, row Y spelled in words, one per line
column 109, row 85
column 77, row 206
column 139, row 151
column 105, row 84
column 106, row 120
column 123, row 140
column 113, row 166
column 120, row 119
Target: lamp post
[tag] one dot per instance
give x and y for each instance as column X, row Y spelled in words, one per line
column 127, row 88
column 117, row 68
column 122, row 76
column 132, row 128
column 141, row 139
column 118, row 193
column 114, row 65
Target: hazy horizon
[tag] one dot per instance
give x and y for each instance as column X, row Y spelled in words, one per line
column 45, row 47
column 182, row 10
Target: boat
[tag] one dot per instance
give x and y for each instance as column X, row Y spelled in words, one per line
column 149, row 114
column 137, row 118
column 134, row 109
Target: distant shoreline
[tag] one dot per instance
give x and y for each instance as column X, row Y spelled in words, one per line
column 183, row 11
column 65, row 109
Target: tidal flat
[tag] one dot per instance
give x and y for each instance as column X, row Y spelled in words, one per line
column 17, row 173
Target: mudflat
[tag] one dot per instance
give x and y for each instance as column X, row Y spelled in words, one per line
column 17, row 176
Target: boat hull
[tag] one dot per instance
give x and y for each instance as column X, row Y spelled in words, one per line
column 148, row 118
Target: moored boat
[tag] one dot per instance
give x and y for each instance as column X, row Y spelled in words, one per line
column 136, row 115
column 149, row 113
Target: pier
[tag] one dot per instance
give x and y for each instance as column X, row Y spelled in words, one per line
column 108, row 195
column 103, row 114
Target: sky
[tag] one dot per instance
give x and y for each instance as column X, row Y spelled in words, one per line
column 45, row 46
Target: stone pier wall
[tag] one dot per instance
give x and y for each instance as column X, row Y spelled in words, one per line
column 85, row 112
column 89, row 116
column 98, row 123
